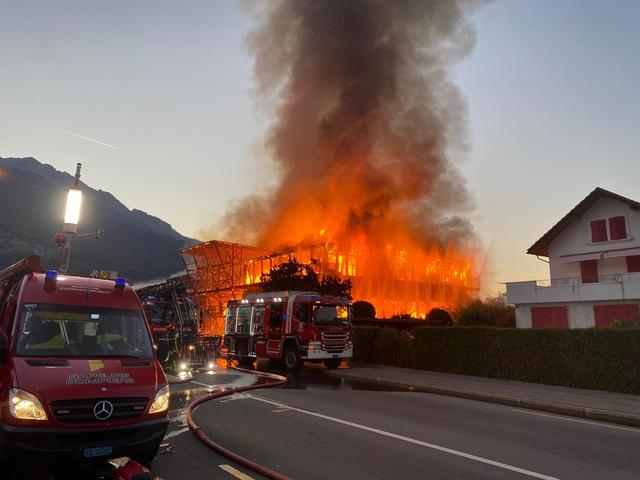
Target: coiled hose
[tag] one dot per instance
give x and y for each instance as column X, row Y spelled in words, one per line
column 277, row 380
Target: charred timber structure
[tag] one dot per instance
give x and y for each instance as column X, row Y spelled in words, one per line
column 396, row 281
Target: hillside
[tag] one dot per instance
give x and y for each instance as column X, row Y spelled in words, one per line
column 32, row 197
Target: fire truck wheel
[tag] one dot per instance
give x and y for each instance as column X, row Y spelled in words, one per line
column 332, row 363
column 291, row 359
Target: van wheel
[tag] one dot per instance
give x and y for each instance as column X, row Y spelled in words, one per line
column 332, row 363
column 291, row 359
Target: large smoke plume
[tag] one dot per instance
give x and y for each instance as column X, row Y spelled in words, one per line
column 366, row 123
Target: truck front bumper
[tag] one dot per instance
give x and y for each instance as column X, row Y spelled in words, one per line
column 315, row 354
column 135, row 440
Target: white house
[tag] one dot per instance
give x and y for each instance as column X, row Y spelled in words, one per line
column 594, row 265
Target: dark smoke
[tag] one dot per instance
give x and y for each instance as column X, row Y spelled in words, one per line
column 366, row 120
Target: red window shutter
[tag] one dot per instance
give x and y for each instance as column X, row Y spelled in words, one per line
column 549, row 317
column 633, row 264
column 618, row 228
column 589, row 271
column 599, row 231
column 605, row 315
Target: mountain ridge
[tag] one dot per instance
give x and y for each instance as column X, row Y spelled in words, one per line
column 138, row 245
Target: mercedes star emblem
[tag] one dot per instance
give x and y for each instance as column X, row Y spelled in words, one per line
column 103, row 410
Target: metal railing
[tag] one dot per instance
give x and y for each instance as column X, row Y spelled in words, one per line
column 563, row 282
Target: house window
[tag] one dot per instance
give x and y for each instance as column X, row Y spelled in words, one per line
column 633, row 264
column 617, row 228
column 549, row 317
column 605, row 315
column 603, row 230
column 599, row 231
column 589, row 271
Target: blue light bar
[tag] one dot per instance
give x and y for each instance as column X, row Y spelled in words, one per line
column 120, row 282
column 51, row 275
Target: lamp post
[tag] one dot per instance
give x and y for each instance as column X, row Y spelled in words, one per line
column 71, row 218
column 70, row 228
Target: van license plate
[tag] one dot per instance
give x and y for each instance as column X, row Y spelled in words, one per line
column 97, row 452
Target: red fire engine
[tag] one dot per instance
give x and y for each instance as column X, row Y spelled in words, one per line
column 289, row 328
column 79, row 378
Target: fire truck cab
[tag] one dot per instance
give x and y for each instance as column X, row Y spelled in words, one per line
column 289, row 328
column 79, row 376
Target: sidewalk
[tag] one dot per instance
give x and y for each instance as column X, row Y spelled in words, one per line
column 593, row 404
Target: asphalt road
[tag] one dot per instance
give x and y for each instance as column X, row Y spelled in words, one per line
column 327, row 429
column 321, row 427
column 187, row 457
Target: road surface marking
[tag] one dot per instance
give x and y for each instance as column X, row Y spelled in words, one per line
column 233, row 398
column 235, row 472
column 175, row 433
column 409, row 440
column 588, row 422
column 281, row 409
column 202, row 384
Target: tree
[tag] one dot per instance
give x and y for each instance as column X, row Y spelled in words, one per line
column 474, row 314
column 438, row 317
column 290, row 275
column 336, row 287
column 502, row 315
column 363, row 309
column 493, row 311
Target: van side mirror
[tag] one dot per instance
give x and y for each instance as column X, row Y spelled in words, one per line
column 162, row 350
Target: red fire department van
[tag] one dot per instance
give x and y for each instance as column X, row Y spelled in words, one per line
column 289, row 328
column 79, row 378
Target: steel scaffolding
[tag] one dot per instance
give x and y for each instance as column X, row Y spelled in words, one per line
column 216, row 274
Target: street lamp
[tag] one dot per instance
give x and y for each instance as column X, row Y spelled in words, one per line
column 72, row 212
column 71, row 219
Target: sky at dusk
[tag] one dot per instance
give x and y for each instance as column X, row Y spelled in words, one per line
column 166, row 88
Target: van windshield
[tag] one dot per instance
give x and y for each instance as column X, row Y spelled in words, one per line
column 48, row 330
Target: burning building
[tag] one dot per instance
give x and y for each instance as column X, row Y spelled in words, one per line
column 366, row 126
column 395, row 281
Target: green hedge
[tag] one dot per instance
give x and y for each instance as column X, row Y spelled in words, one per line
column 602, row 359
column 386, row 346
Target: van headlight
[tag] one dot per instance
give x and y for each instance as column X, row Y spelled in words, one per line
column 25, row 406
column 161, row 402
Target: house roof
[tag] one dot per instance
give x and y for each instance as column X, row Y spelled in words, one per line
column 541, row 247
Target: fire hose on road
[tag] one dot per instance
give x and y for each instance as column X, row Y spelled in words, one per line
column 276, row 381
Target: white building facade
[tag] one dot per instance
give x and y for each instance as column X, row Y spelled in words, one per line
column 594, row 265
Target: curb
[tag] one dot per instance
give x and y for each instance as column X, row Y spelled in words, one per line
column 610, row 416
